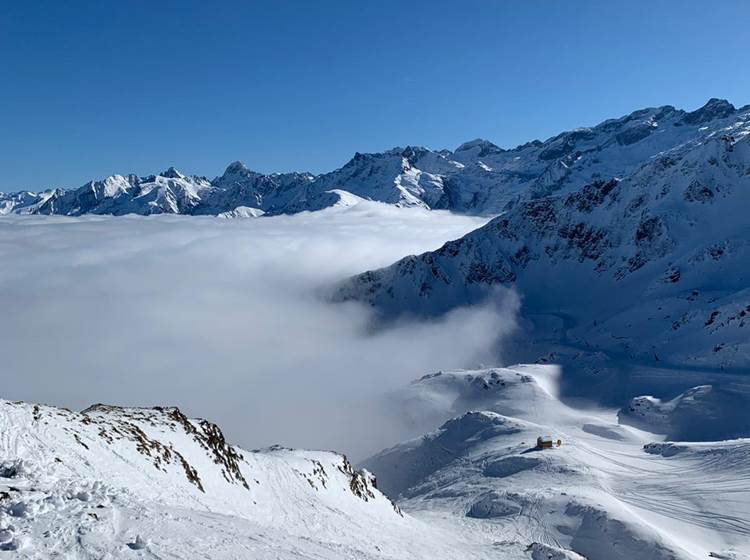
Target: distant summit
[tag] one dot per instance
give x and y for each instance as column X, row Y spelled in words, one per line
column 712, row 110
column 172, row 173
column 482, row 148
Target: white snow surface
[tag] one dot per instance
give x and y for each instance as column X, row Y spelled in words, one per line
column 242, row 212
column 115, row 482
column 150, row 483
column 610, row 491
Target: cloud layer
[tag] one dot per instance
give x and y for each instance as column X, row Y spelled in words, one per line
column 221, row 318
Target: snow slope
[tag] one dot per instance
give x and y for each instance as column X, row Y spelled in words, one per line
column 115, row 482
column 661, row 252
column 609, row 492
column 242, row 212
column 150, row 483
column 477, row 178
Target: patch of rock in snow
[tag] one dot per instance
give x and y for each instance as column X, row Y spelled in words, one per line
column 110, row 480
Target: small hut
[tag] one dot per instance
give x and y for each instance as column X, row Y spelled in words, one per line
column 546, row 442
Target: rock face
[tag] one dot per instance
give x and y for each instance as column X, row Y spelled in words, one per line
column 477, row 178
column 648, row 263
column 163, row 442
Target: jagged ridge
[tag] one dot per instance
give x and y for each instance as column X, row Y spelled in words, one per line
column 478, row 177
column 669, row 239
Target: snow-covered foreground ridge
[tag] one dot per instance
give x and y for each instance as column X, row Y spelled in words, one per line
column 477, row 178
column 116, row 482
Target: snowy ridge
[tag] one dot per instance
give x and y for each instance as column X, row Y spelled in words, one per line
column 113, row 482
column 703, row 413
column 670, row 239
column 110, row 481
column 242, row 212
column 477, row 178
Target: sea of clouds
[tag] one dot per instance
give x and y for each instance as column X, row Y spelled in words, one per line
column 224, row 318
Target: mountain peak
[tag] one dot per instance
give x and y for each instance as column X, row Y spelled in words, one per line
column 473, row 144
column 484, row 147
column 718, row 102
column 172, row 173
column 236, row 168
column 413, row 153
column 713, row 109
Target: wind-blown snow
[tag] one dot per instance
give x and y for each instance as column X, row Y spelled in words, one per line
column 609, row 492
column 222, row 318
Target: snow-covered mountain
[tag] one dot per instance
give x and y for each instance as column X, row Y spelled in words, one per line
column 628, row 245
column 644, row 264
column 477, row 178
column 113, row 482
column 169, row 192
column 608, row 492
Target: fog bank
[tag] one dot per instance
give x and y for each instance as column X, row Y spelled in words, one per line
column 221, row 318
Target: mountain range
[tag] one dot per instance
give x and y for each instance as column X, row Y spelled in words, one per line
column 642, row 263
column 627, row 245
column 478, row 177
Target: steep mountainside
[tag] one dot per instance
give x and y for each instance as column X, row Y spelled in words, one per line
column 151, row 483
column 649, row 265
column 478, row 177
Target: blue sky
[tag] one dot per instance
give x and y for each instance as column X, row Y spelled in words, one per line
column 93, row 88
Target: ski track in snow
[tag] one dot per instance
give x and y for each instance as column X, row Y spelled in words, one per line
column 683, row 500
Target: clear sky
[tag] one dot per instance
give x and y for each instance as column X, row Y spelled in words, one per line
column 93, row 88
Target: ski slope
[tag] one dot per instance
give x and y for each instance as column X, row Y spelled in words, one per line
column 611, row 491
